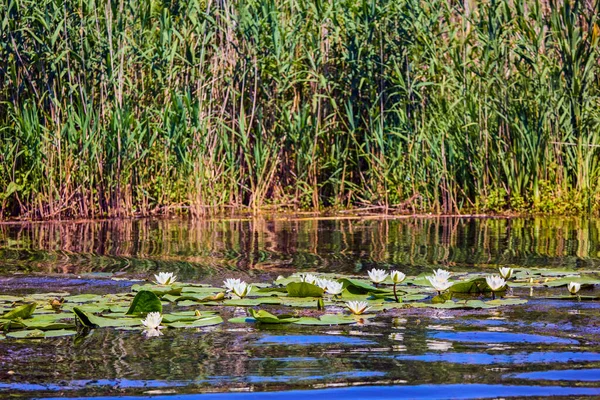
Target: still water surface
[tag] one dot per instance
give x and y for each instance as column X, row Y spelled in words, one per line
column 535, row 350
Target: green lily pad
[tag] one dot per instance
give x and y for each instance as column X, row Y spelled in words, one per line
column 583, row 280
column 47, row 325
column 25, row 311
column 32, row 334
column 158, row 290
column 60, row 333
column 268, row 318
column 245, row 302
column 328, row 319
column 303, row 289
column 241, row 320
column 355, row 286
column 145, row 302
column 506, row 302
column 83, row 298
column 198, row 323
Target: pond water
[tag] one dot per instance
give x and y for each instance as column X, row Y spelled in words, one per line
column 542, row 348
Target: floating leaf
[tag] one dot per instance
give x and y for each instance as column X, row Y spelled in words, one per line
column 303, row 289
column 583, row 280
column 145, row 302
column 60, row 333
column 33, row 334
column 47, row 325
column 22, row 312
column 355, row 286
column 199, row 323
column 268, row 318
column 158, row 290
column 248, row 302
column 506, row 302
column 83, row 298
column 328, row 319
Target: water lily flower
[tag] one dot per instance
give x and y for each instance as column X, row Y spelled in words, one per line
column 308, row 278
column 165, row 278
column 152, row 320
column 377, row 275
column 506, row 272
column 574, row 287
column 495, row 282
column 334, row 288
column 242, row 289
column 441, row 274
column 230, row 283
column 322, row 283
column 397, row 276
column 440, row 284
column 358, row 307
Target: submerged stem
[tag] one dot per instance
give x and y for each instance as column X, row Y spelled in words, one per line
column 396, row 294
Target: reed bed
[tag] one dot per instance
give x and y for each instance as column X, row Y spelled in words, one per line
column 112, row 108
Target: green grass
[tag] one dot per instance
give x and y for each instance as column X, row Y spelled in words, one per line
column 123, row 107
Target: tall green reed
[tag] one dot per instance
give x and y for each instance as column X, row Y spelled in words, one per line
column 120, row 107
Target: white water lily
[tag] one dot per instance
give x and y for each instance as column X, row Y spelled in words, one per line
column 242, row 289
column 165, row 278
column 574, row 287
column 506, row 272
column 308, row 278
column 441, row 274
column 377, row 275
column 322, row 283
column 334, row 288
column 358, row 307
column 152, row 321
column 495, row 282
column 438, row 283
column 230, row 283
column 397, row 276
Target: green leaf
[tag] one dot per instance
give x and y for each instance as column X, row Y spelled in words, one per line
column 506, row 302
column 355, row 286
column 158, row 290
column 248, row 302
column 303, row 289
column 199, row 323
column 60, row 333
column 145, row 302
column 83, row 298
column 268, row 318
column 25, row 311
column 48, row 325
column 477, row 285
column 328, row 319
column 83, row 318
column 34, row 334
column 441, row 298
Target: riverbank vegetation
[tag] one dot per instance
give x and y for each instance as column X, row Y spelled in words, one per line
column 117, row 107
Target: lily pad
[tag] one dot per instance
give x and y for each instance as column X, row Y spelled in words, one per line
column 267, row 318
column 83, row 298
column 328, row 319
column 28, row 334
column 355, row 286
column 25, row 311
column 303, row 289
column 248, row 302
column 145, row 302
column 198, row 323
column 158, row 289
column 60, row 333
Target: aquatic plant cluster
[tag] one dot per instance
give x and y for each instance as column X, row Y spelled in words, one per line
column 134, row 108
column 305, row 298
